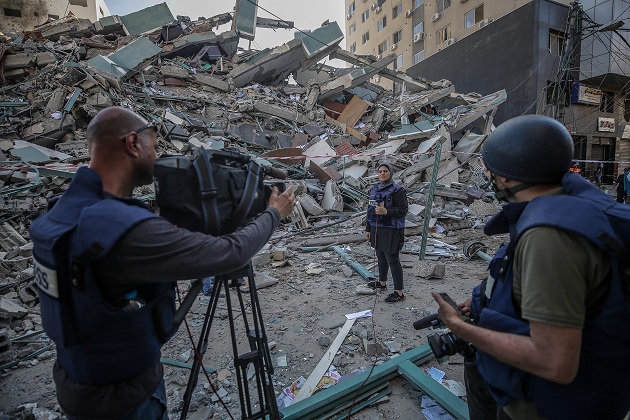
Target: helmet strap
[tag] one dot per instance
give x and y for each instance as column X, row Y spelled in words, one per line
column 509, row 192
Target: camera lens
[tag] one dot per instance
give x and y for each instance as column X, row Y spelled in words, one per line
column 445, row 345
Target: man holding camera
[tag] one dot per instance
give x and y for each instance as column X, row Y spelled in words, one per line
column 551, row 329
column 97, row 251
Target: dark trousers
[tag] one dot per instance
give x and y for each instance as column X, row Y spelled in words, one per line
column 621, row 196
column 391, row 262
column 481, row 405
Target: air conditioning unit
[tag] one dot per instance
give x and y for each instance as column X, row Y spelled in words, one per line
column 408, row 13
column 374, row 6
column 377, row 10
column 349, row 16
column 450, row 42
column 418, row 37
column 379, row 57
column 435, row 17
column 485, row 22
column 393, row 47
column 377, row 78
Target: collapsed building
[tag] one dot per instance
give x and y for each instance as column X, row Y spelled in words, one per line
column 327, row 127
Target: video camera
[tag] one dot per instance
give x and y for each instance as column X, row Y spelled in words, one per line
column 213, row 192
column 445, row 345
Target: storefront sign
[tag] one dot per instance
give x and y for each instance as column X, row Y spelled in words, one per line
column 606, row 124
column 585, row 95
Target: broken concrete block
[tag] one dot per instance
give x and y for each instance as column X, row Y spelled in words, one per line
column 174, row 71
column 9, row 309
column 280, row 253
column 56, row 101
column 18, row 61
column 212, row 82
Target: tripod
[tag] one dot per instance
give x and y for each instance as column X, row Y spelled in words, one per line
column 258, row 356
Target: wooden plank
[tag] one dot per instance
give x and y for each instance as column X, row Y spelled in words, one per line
column 321, row 368
column 449, row 401
column 353, row 111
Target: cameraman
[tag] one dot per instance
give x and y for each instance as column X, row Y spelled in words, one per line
column 97, row 250
column 552, row 337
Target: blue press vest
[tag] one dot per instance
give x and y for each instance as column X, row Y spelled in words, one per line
column 384, row 195
column 601, row 388
column 97, row 343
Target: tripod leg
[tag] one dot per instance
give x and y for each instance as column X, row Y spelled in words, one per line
column 202, row 345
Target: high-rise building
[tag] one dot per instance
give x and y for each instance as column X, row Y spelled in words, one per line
column 416, row 29
column 24, row 15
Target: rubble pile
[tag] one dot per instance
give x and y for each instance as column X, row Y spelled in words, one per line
column 326, row 127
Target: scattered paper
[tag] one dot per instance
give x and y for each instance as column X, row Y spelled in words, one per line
column 433, row 411
column 435, row 373
column 287, row 395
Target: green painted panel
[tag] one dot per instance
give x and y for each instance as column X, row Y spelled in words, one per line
column 321, row 38
column 147, row 19
column 245, row 18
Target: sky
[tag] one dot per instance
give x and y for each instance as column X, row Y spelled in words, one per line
column 305, row 15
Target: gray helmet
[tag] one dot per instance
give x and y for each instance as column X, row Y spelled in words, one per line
column 530, row 148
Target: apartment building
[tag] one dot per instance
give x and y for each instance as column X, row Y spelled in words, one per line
column 416, row 29
column 24, row 15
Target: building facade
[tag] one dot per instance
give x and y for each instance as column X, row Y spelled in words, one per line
column 417, row 29
column 24, row 15
column 552, row 61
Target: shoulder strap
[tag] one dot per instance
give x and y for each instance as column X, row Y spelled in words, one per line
column 208, row 193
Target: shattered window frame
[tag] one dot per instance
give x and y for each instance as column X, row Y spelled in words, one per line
column 352, row 28
column 418, row 57
column 552, row 93
column 382, row 23
column 415, row 28
column 353, row 47
column 607, row 105
column 382, row 47
column 442, row 34
column 399, row 62
column 351, row 9
column 417, row 3
column 365, row 15
column 397, row 36
column 397, row 10
column 442, row 5
column 365, row 37
column 473, row 17
column 556, row 42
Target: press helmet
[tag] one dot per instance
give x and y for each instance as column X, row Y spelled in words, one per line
column 530, row 148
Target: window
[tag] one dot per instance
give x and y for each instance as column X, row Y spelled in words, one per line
column 101, row 10
column 417, row 3
column 399, row 62
column 365, row 16
column 351, row 9
column 442, row 35
column 419, row 28
column 556, row 42
column 608, row 102
column 353, row 47
column 382, row 47
column 397, row 10
column 626, row 110
column 397, row 37
column 365, row 37
column 352, row 28
column 418, row 57
column 443, row 5
column 12, row 12
column 473, row 17
column 382, row 23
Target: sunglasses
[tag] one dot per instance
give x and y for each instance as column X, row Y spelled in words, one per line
column 152, row 125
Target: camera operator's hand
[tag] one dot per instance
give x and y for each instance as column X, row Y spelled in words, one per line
column 447, row 313
column 284, row 202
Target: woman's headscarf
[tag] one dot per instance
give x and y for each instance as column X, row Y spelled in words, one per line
column 390, row 181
